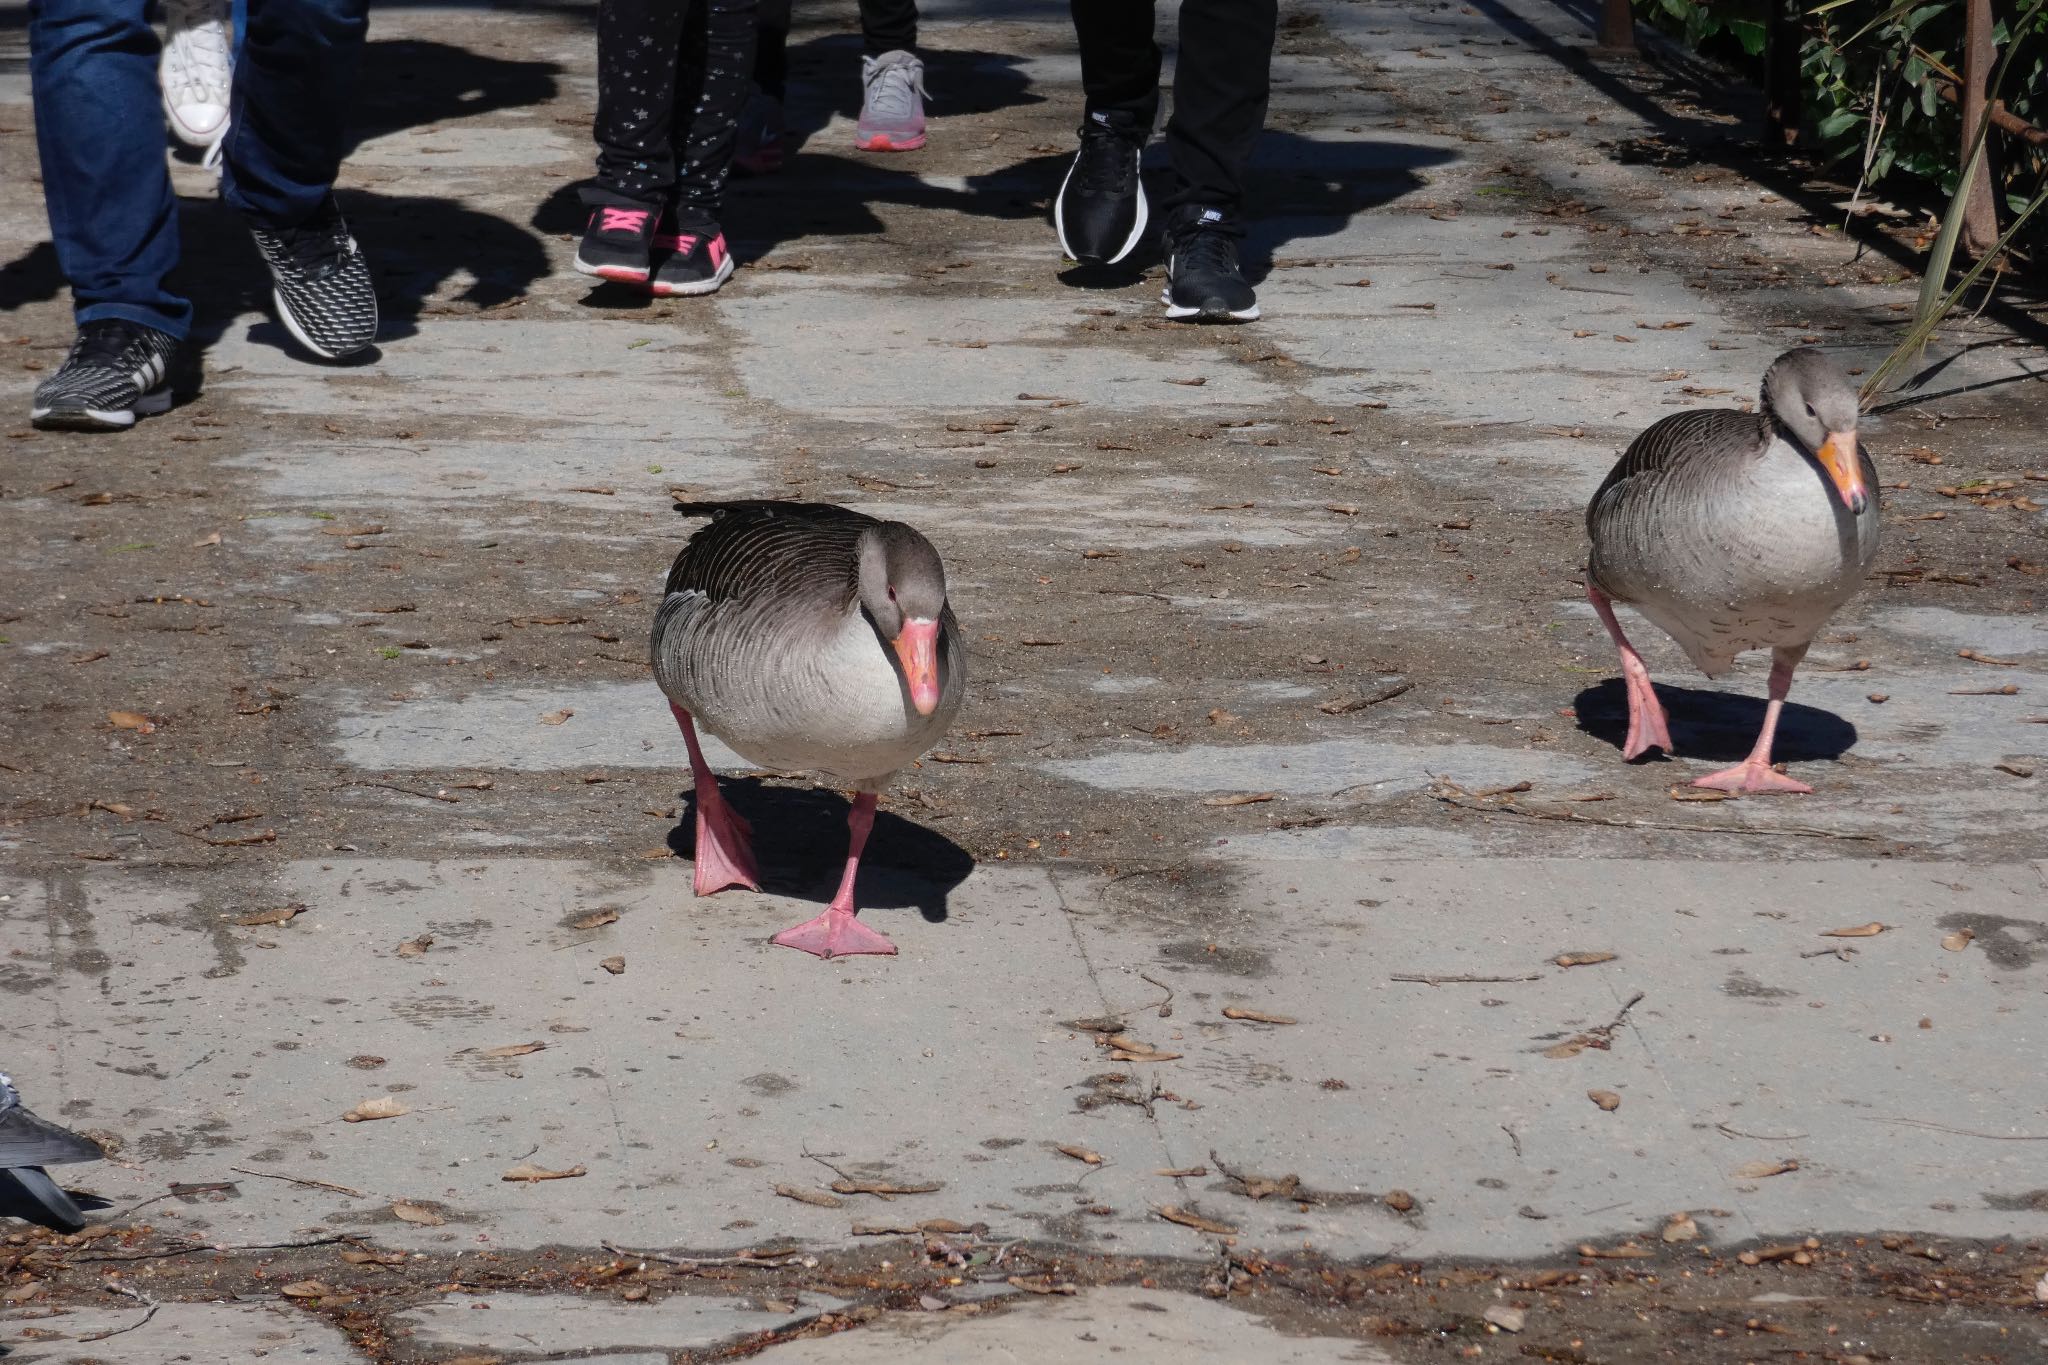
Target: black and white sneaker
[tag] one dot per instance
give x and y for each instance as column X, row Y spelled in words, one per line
column 117, row 371
column 322, row 283
column 1203, row 280
column 1101, row 211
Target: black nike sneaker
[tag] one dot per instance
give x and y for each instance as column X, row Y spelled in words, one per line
column 117, row 371
column 1203, row 280
column 322, row 283
column 1101, row 211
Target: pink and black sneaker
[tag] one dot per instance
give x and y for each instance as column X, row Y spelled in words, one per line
column 618, row 242
column 698, row 262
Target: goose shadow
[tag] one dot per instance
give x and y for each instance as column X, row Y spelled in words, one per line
column 1717, row 726
column 800, row 848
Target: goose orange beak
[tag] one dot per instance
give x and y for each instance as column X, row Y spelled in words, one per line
column 1838, row 456
column 918, row 650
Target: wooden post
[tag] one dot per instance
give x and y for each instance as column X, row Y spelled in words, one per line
column 1980, row 209
column 1784, row 101
column 1617, row 26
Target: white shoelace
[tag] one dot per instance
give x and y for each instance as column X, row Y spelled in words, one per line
column 198, row 59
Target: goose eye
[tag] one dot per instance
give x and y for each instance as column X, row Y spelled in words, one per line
column 892, row 587
column 1810, row 412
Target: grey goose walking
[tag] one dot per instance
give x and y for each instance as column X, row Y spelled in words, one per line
column 809, row 638
column 1734, row 531
column 27, row 1144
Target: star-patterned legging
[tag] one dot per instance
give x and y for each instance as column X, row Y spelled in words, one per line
column 672, row 77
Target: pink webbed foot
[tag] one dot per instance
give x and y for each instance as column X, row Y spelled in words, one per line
column 1646, row 727
column 1754, row 779
column 836, row 933
column 725, row 856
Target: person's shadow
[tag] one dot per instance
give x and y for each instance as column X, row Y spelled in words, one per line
column 800, row 849
column 1716, row 726
column 413, row 83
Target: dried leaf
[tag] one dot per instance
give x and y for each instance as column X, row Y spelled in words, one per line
column 594, row 919
column 557, row 717
column 1959, row 940
column 1763, row 1170
column 1182, row 1172
column 1043, row 1285
column 1174, row 1214
column 1256, row 1016
column 1680, row 1228
column 530, row 1173
column 365, row 1256
column 816, row 1197
column 1241, row 799
column 1400, row 1201
column 213, row 539
column 387, row 1107
column 514, row 1049
column 1870, row 930
column 284, row 914
column 1506, row 1318
column 1628, row 1251
column 1080, row 1154
column 885, row 1189
column 418, row 1214
column 1606, row 1099
column 614, row 965
column 305, row 1289
column 1587, row 959
column 415, row 947
column 131, row 720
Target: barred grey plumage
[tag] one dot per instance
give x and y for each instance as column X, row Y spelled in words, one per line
column 27, row 1144
column 773, row 632
column 1734, row 531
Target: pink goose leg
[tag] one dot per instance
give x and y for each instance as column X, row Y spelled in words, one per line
column 1755, row 774
column 836, row 933
column 1645, row 713
column 724, row 856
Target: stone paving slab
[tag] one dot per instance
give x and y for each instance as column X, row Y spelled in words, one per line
column 175, row 1334
column 716, row 1067
column 557, row 1324
column 1099, row 1327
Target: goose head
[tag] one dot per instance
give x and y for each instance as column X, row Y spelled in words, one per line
column 1810, row 401
column 903, row 591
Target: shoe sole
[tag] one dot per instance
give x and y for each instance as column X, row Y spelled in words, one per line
column 618, row 274
column 689, row 291
column 1180, row 312
column 1059, row 224
column 883, row 142
column 291, row 324
column 99, row 419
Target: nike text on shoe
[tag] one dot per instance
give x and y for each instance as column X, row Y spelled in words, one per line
column 697, row 263
column 1101, row 212
column 195, row 70
column 891, row 104
column 617, row 243
column 321, row 283
column 117, row 371
column 1203, row 281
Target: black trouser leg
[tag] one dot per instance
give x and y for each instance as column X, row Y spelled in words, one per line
column 1220, row 84
column 888, row 26
column 637, row 43
column 1119, row 59
column 714, row 66
column 771, row 48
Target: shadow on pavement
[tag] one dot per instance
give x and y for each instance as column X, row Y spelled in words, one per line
column 1717, row 726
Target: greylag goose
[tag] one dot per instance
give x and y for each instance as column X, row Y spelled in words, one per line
column 27, row 1144
column 1734, row 531
column 809, row 638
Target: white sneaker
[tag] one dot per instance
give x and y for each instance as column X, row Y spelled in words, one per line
column 196, row 70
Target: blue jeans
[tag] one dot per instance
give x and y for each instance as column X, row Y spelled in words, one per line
column 100, row 134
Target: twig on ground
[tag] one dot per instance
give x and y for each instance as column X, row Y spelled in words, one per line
column 771, row 1261
column 115, row 1286
column 1430, row 979
column 294, row 1180
column 1574, row 818
column 1960, row 1132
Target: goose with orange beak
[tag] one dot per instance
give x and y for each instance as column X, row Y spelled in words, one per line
column 810, row 638
column 1734, row 531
